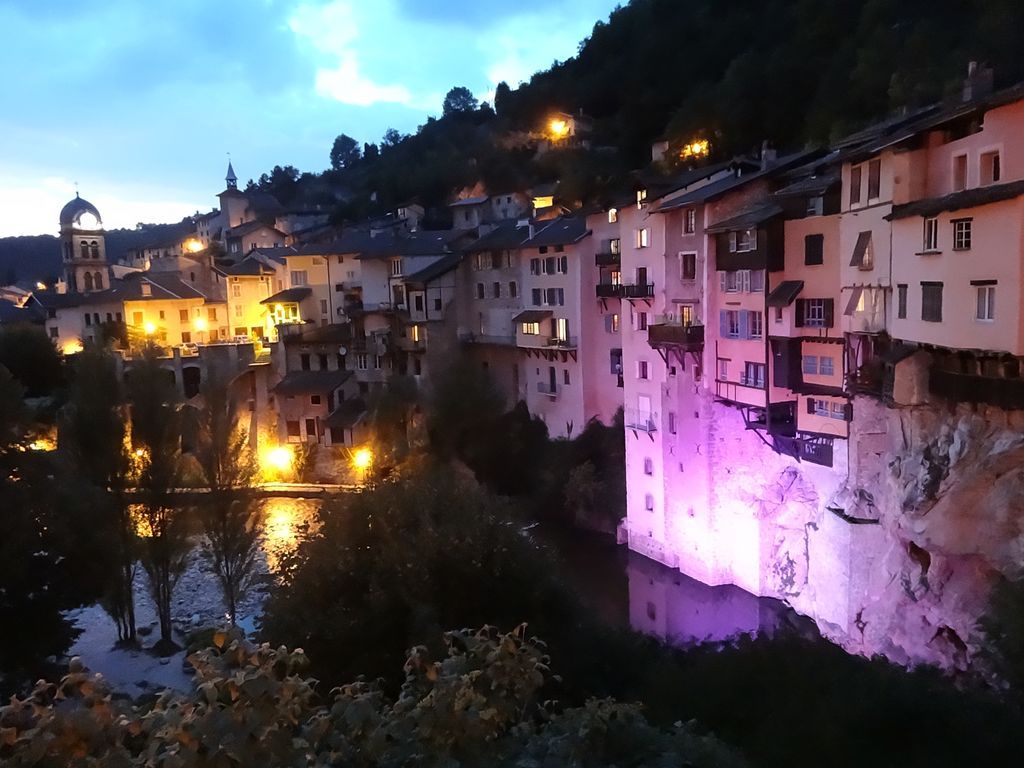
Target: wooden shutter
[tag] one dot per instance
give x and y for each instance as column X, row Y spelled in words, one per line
column 801, row 307
column 829, row 312
column 723, row 324
column 744, row 324
column 810, row 406
column 848, row 411
column 721, row 281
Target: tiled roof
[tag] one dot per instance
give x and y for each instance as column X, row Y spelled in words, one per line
column 321, row 334
column 311, row 382
column 470, row 201
column 252, row 226
column 753, row 217
column 969, row 198
column 785, row 293
column 564, row 230
column 507, row 235
column 347, row 414
column 434, row 270
column 532, row 316
column 289, row 296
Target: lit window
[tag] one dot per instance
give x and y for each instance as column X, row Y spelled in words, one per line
column 299, row 278
column 642, row 238
column 689, row 221
column 962, row 234
column 986, row 303
column 613, row 215
column 531, row 329
column 641, row 198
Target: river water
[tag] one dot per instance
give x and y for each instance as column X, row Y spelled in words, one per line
column 621, row 587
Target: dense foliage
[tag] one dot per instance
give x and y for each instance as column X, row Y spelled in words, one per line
column 479, row 705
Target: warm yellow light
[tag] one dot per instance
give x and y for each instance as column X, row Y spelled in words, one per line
column 695, row 148
column 43, row 444
column 149, row 328
column 362, row 458
column 40, row 286
column 193, row 246
column 558, row 128
column 72, row 347
column 279, row 458
column 200, row 323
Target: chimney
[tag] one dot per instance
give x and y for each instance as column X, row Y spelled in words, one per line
column 979, row 83
column 768, row 155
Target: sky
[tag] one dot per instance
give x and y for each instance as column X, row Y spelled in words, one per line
column 140, row 102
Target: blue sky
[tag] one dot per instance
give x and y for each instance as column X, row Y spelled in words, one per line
column 141, row 102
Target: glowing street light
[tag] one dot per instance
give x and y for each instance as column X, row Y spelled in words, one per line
column 361, row 460
column 200, row 323
column 278, row 459
column 558, row 128
column 149, row 328
column 193, row 246
column 694, row 149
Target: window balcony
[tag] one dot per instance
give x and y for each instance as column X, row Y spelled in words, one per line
column 546, row 389
column 610, row 291
column 642, row 291
column 566, row 343
column 687, row 337
column 643, row 421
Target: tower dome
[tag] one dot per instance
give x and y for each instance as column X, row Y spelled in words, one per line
column 71, row 215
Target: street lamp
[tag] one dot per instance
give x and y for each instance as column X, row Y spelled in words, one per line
column 361, row 460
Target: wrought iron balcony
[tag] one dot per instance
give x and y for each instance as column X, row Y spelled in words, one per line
column 689, row 337
column 610, row 290
column 567, row 343
column 641, row 291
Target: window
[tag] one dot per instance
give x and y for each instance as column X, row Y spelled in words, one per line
column 642, row 238
column 959, row 173
column 136, row 318
column 688, row 266
column 323, row 307
column 314, row 399
column 565, row 377
column 496, row 290
column 211, row 314
column 561, row 329
column 549, row 265
column 562, row 265
column 730, row 281
column 362, row 361
column 299, row 278
column 778, row 314
column 186, row 337
column 732, row 324
column 931, row 302
column 855, row 174
column 756, row 325
column 689, row 221
column 901, row 301
column 671, row 422
column 437, row 304
column 814, row 249
column 826, row 366
column 642, row 370
column 417, row 302
column 649, row 502
column 874, row 179
column 810, row 365
column 613, row 323
column 88, row 319
column 236, row 291
column 641, row 198
column 239, row 310
column 648, row 465
column 743, row 240
column 991, row 169
column 396, row 267
column 930, row 241
column 531, row 329
column 755, row 281
column 162, row 315
column 183, row 316
column 53, row 332
column 814, row 313
column 641, row 321
column 293, row 429
column 753, row 375
column 723, row 369
column 321, row 358
column 513, row 290
column 962, row 234
column 304, row 362
column 479, row 290
column 240, row 332
column 535, row 296
column 986, row 303
column 559, row 249
column 613, row 215
column 534, row 266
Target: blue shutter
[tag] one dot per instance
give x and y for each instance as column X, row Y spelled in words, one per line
column 723, row 324
column 744, row 324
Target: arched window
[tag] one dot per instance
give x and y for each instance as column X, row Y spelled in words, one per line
column 84, row 249
column 97, row 279
column 95, row 248
column 88, row 281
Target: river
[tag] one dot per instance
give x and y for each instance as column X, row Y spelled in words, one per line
column 621, row 587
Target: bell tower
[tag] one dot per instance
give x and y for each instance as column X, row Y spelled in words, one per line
column 83, row 247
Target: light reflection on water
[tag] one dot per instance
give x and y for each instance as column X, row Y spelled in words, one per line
column 285, row 523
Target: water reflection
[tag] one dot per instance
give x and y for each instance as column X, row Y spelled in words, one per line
column 683, row 611
column 285, row 523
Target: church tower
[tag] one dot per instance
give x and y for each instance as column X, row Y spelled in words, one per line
column 83, row 247
column 233, row 203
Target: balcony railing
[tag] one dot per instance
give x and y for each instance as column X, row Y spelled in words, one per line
column 667, row 334
column 644, row 421
column 641, row 291
column 547, row 389
column 610, row 290
column 566, row 343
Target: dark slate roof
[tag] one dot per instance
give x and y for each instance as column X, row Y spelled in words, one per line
column 246, row 268
column 288, row 296
column 251, row 226
column 69, row 213
column 753, row 217
column 969, row 198
column 278, row 254
column 264, row 204
column 347, row 414
column 565, row 230
column 442, row 266
column 470, row 201
column 507, row 235
column 719, row 187
column 810, row 185
column 385, row 245
column 785, row 293
column 532, row 316
column 310, row 382
column 321, row 334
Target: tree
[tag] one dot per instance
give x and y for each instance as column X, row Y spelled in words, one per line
column 156, row 437
column 344, row 152
column 94, row 425
column 371, row 151
column 459, row 100
column 392, row 138
column 229, row 470
column 482, row 703
column 502, row 97
column 29, row 355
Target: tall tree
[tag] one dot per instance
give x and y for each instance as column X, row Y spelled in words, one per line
column 228, row 514
column 28, row 353
column 95, row 430
column 344, row 152
column 156, row 437
column 459, row 100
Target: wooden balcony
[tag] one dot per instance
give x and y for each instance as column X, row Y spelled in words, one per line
column 610, row 291
column 643, row 291
column 687, row 337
